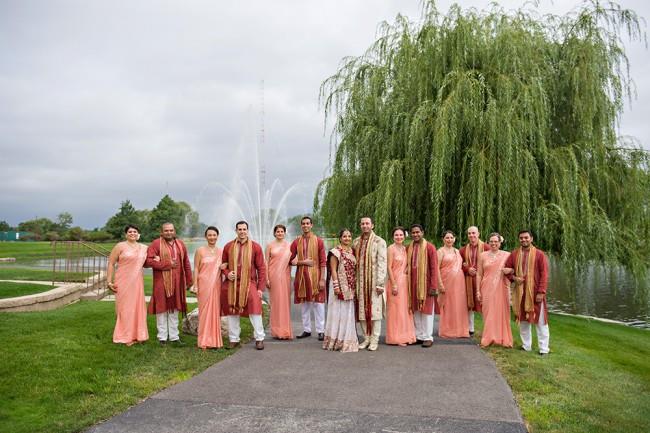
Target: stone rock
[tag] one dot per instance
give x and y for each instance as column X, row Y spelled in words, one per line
column 190, row 324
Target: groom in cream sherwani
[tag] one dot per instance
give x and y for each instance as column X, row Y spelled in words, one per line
column 370, row 252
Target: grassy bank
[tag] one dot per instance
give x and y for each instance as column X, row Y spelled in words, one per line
column 62, row 373
column 596, row 379
column 31, row 251
column 26, row 274
column 11, row 290
column 26, row 250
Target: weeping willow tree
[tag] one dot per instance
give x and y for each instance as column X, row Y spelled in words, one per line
column 505, row 120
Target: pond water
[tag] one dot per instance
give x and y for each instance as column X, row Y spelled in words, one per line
column 607, row 292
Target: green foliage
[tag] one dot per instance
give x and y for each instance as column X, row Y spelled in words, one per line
column 499, row 119
column 4, row 226
column 64, row 221
column 51, row 236
column 38, row 227
column 127, row 214
column 167, row 210
column 98, row 236
column 75, row 234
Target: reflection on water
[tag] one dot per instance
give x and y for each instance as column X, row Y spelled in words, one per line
column 600, row 291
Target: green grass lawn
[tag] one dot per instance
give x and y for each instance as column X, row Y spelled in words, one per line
column 62, row 373
column 11, row 290
column 30, row 251
column 26, row 274
column 596, row 379
column 26, row 250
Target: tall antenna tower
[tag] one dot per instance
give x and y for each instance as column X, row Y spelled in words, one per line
column 262, row 139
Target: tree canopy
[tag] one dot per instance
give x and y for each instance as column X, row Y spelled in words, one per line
column 500, row 119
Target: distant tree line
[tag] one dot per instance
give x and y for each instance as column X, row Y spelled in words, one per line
column 179, row 213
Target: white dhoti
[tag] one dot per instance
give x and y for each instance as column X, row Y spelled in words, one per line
column 543, row 333
column 234, row 327
column 319, row 316
column 423, row 326
column 167, row 325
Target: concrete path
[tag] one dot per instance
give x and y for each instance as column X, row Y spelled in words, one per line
column 295, row 386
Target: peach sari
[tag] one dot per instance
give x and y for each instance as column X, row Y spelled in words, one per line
column 495, row 294
column 453, row 314
column 400, row 328
column 130, row 307
column 280, row 289
column 208, row 292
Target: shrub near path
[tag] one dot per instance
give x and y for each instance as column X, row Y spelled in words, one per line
column 62, row 373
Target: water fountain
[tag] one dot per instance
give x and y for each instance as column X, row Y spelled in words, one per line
column 247, row 197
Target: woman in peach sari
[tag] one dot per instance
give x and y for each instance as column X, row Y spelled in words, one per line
column 400, row 328
column 494, row 293
column 453, row 301
column 278, row 255
column 131, row 323
column 207, row 286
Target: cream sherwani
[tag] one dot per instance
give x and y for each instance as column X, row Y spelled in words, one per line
column 376, row 262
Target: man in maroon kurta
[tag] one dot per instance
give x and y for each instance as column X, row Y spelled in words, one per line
column 244, row 260
column 172, row 275
column 422, row 299
column 470, row 254
column 527, row 266
column 308, row 255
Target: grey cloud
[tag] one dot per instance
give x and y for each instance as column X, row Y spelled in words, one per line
column 103, row 101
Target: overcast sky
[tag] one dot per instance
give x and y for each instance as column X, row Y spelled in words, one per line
column 101, row 101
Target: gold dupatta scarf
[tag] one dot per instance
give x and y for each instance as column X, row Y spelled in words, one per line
column 469, row 280
column 422, row 267
column 529, row 284
column 312, row 271
column 237, row 299
column 166, row 254
column 366, row 263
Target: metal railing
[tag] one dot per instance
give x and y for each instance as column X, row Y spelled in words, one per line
column 81, row 262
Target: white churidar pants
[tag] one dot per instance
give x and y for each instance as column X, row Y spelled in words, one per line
column 234, row 327
column 376, row 330
column 543, row 333
column 319, row 316
column 470, row 320
column 423, row 326
column 167, row 324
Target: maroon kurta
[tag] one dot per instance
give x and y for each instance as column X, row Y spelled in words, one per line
column 321, row 263
column 540, row 280
column 474, row 255
column 181, row 277
column 257, row 279
column 431, row 278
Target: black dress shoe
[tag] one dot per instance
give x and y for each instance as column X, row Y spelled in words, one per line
column 321, row 336
column 471, row 333
column 418, row 341
column 304, row 334
column 162, row 342
column 259, row 345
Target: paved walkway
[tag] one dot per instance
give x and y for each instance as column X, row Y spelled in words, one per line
column 295, row 386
